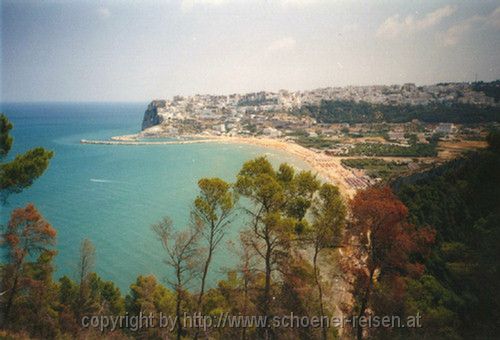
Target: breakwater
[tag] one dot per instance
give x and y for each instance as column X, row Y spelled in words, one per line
column 136, row 142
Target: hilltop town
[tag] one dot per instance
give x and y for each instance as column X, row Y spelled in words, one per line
column 235, row 107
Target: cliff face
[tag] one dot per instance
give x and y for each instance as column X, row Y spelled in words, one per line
column 151, row 117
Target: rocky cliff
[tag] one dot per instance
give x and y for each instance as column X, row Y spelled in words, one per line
column 151, row 117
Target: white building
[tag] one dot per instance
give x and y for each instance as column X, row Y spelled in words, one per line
column 271, row 132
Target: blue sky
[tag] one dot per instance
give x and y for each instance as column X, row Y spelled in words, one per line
column 140, row 50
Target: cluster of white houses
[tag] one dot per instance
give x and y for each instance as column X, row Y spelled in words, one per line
column 241, row 105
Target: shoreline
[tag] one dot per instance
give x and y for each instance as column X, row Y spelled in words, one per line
column 328, row 168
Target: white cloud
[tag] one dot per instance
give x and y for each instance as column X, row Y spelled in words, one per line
column 456, row 33
column 459, row 31
column 298, row 2
column 284, row 44
column 104, row 12
column 188, row 5
column 493, row 19
column 396, row 26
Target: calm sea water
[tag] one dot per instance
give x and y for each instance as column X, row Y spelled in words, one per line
column 112, row 194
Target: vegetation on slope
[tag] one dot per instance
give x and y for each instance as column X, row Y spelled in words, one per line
column 461, row 200
column 341, row 111
column 391, row 150
column 316, row 142
column 491, row 89
column 376, row 167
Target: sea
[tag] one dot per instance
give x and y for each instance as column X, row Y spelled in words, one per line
column 112, row 194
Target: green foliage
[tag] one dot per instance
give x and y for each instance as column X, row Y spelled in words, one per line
column 298, row 133
column 341, row 111
column 493, row 140
column 68, row 292
column 215, row 200
column 280, row 201
column 491, row 89
column 24, row 169
column 149, row 296
column 36, row 305
column 212, row 210
column 112, row 296
column 282, row 191
column 329, row 217
column 301, row 189
column 5, row 137
column 391, row 150
column 437, row 305
column 376, row 167
column 461, row 199
column 316, row 142
column 21, row 172
column 286, row 173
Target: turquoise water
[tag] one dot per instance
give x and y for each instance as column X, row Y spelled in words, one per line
column 111, row 194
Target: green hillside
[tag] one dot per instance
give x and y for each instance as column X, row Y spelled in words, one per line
column 461, row 200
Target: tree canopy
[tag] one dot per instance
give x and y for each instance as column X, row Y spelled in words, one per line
column 19, row 173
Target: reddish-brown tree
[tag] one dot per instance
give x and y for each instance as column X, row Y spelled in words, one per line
column 28, row 234
column 390, row 244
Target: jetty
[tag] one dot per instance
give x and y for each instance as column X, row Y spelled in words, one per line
column 136, row 142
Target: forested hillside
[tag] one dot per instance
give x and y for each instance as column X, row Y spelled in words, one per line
column 491, row 89
column 461, row 200
column 340, row 111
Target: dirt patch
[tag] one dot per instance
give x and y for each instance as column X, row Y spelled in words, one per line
column 451, row 149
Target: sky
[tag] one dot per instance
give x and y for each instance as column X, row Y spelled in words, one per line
column 144, row 50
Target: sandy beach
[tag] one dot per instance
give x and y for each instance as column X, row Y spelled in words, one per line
column 328, row 168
